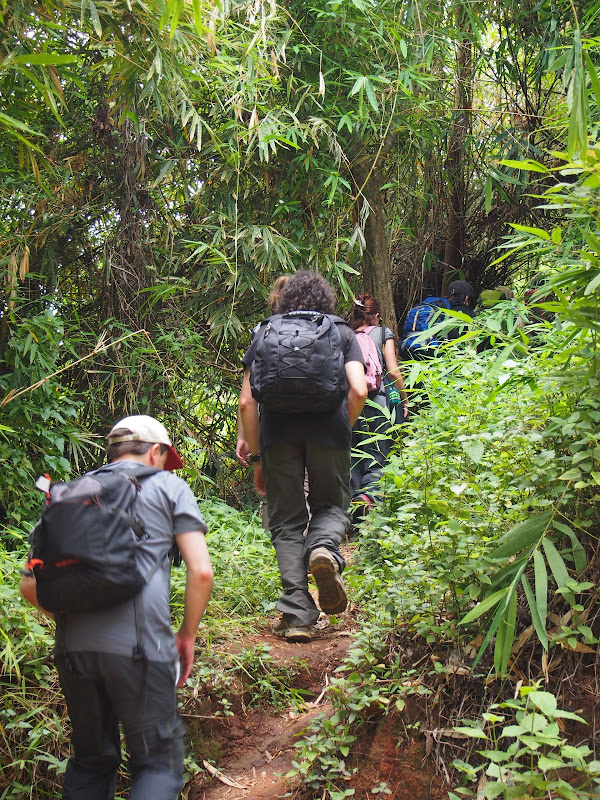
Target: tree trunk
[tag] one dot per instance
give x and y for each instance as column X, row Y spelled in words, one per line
column 458, row 143
column 128, row 251
column 376, row 272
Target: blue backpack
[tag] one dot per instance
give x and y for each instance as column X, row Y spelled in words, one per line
column 418, row 319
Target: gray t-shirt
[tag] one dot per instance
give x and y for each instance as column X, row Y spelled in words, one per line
column 167, row 507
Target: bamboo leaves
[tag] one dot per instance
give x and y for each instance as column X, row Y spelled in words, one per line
column 538, row 612
column 505, row 634
column 528, row 544
column 364, row 84
column 579, row 557
column 558, row 567
column 541, row 586
column 577, row 100
column 522, row 535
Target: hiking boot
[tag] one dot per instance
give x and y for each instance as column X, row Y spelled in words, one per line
column 281, row 627
column 302, row 634
column 293, row 633
column 326, row 572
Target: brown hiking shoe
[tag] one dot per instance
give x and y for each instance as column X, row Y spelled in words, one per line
column 293, row 633
column 325, row 571
column 302, row 634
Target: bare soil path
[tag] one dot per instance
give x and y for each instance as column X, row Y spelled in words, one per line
column 257, row 747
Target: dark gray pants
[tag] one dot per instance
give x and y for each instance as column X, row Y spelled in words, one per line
column 301, row 523
column 371, row 445
column 102, row 690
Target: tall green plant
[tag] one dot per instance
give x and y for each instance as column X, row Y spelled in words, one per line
column 525, row 753
column 40, row 430
column 554, row 542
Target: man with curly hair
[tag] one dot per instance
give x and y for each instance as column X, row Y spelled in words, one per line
column 306, row 530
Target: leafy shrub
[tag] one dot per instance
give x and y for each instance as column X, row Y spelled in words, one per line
column 32, row 721
column 250, row 676
column 247, row 580
column 525, row 752
column 40, row 431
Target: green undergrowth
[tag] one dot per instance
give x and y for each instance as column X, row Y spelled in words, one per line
column 248, row 678
column 246, row 583
column 523, row 752
column 477, row 562
column 33, row 735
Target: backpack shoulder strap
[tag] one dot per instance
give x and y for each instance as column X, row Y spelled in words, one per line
column 380, row 346
column 381, row 353
column 142, row 471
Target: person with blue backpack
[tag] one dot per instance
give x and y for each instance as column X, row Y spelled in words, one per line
column 371, row 439
column 415, row 342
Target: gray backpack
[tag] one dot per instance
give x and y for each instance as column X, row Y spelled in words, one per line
column 298, row 365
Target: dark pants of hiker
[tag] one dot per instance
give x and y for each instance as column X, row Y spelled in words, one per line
column 103, row 689
column 295, row 531
column 371, row 445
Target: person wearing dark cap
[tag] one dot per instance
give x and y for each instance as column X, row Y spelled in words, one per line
column 461, row 297
column 104, row 677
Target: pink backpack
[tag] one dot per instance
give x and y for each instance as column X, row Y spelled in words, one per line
column 370, row 353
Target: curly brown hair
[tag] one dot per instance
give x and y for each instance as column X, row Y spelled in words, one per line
column 273, row 300
column 364, row 312
column 306, row 291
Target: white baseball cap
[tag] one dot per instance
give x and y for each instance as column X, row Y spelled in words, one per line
column 141, row 428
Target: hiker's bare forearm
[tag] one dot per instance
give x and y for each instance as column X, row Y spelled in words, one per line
column 199, row 580
column 242, row 448
column 357, row 389
column 249, row 414
column 29, row 592
column 393, row 370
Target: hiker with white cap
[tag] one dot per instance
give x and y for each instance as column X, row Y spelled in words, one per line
column 121, row 663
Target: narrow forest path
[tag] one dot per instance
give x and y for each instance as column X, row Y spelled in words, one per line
column 254, row 748
column 257, row 746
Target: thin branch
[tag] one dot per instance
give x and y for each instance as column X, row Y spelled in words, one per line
column 12, row 394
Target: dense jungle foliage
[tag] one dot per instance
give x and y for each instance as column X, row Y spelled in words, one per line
column 161, row 165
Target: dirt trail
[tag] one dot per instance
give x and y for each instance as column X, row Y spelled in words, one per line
column 258, row 747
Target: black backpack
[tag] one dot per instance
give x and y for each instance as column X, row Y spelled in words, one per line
column 84, row 549
column 298, row 363
column 418, row 319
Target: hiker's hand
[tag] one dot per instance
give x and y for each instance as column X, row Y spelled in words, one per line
column 242, row 450
column 259, row 482
column 185, row 648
